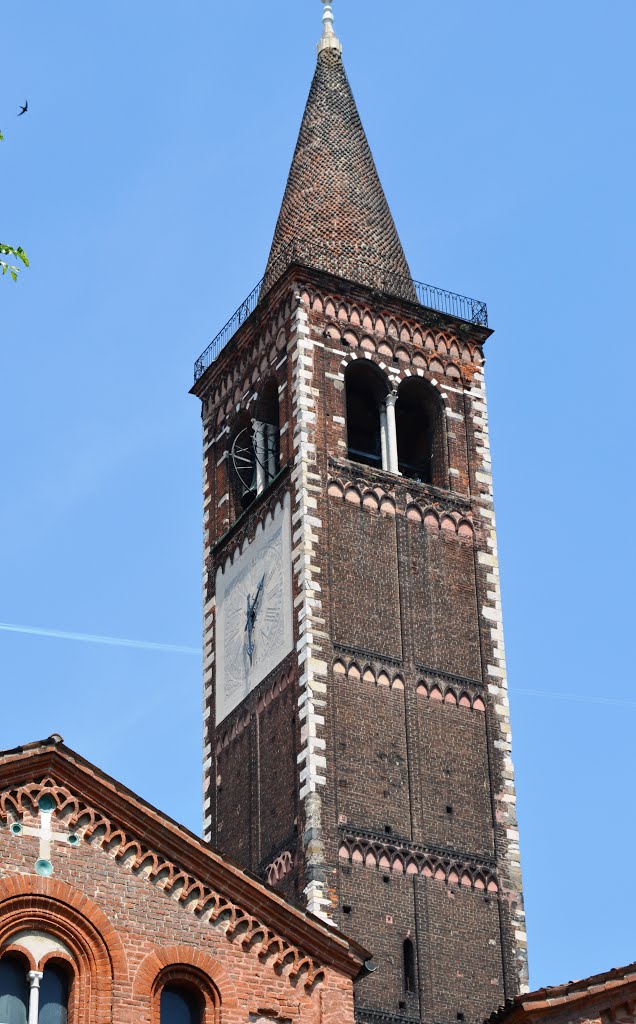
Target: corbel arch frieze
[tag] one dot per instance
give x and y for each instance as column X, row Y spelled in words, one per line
column 388, row 858
column 445, row 518
column 389, row 332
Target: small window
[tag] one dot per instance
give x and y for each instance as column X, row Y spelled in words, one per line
column 14, row 991
column 54, row 989
column 180, row 1005
column 410, row 968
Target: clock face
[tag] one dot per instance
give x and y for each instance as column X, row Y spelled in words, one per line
column 254, row 612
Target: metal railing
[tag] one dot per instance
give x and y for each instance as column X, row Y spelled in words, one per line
column 462, row 307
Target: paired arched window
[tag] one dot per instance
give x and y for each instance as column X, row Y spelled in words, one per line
column 400, row 432
column 27, row 995
column 180, row 1004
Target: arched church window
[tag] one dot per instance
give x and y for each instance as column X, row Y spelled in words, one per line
column 14, row 991
column 180, row 1005
column 419, row 433
column 366, row 391
column 410, row 966
column 54, row 992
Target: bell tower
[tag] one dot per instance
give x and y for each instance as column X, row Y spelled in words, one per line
column 357, row 751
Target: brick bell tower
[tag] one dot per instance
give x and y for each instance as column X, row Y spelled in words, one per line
column 357, row 735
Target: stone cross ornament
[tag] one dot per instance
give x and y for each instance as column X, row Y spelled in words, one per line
column 46, row 835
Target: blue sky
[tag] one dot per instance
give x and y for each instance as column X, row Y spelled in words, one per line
column 145, row 183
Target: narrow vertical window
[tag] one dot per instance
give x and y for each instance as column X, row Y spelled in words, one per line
column 410, row 967
column 54, row 990
column 180, row 1005
column 14, row 991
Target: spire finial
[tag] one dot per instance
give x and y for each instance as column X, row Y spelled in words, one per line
column 329, row 39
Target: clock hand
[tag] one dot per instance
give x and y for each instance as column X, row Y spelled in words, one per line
column 249, row 626
column 259, row 591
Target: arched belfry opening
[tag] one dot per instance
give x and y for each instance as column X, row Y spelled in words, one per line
column 242, row 464
column 267, row 435
column 255, row 448
column 420, row 433
column 366, row 390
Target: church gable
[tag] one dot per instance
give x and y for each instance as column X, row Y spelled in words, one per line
column 129, row 910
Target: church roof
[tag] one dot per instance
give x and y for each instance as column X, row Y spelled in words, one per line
column 564, row 1001
column 335, row 215
column 86, row 794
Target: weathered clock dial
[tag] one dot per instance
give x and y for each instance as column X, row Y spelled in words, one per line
column 254, row 612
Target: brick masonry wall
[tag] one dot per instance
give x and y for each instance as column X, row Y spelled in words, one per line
column 454, row 772
column 371, row 755
column 363, row 584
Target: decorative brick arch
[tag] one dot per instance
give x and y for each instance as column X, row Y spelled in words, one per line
column 373, row 357
column 20, row 952
column 187, row 965
column 98, row 958
column 404, row 372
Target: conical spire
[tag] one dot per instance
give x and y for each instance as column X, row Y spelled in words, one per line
column 334, row 214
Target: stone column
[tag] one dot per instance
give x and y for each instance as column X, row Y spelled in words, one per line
column 392, row 432
column 270, row 434
column 35, row 977
column 384, row 442
column 260, row 451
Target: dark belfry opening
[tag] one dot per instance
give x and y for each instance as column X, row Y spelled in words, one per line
column 180, row 1005
column 242, row 465
column 420, row 432
column 366, row 390
column 267, row 435
column 54, row 992
column 410, row 966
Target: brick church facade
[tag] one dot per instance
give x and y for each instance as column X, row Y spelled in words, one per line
column 357, row 750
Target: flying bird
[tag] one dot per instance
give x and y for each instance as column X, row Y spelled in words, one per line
column 24, row 109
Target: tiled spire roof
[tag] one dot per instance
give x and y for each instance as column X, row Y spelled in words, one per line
column 334, row 214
